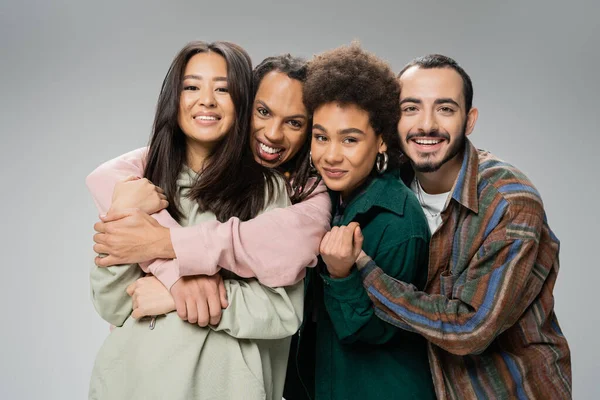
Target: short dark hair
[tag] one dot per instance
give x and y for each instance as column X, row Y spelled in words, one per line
column 293, row 67
column 298, row 168
column 232, row 184
column 431, row 61
column 351, row 75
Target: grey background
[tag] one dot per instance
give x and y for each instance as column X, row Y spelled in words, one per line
column 79, row 82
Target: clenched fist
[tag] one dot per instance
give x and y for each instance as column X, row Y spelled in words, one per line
column 340, row 248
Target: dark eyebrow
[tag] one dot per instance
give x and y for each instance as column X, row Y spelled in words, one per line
column 319, row 127
column 262, row 103
column 446, row 100
column 443, row 100
column 297, row 116
column 346, row 131
column 216, row 79
column 410, row 100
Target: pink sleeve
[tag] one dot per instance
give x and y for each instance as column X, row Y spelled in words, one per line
column 276, row 246
column 101, row 183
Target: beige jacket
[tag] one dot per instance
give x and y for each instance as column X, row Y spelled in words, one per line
column 244, row 357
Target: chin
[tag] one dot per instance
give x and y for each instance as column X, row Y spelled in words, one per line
column 336, row 187
column 427, row 164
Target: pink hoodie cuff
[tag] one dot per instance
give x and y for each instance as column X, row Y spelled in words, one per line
column 189, row 245
column 166, row 271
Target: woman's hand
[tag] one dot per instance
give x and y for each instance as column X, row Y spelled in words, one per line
column 340, row 248
column 150, row 297
column 135, row 192
column 200, row 299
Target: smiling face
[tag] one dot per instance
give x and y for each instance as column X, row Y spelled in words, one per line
column 433, row 120
column 206, row 110
column 344, row 146
column 279, row 120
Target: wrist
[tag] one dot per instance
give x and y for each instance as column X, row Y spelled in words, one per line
column 339, row 273
column 362, row 261
column 165, row 245
column 119, row 206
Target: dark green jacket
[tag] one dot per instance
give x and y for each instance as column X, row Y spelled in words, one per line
column 345, row 351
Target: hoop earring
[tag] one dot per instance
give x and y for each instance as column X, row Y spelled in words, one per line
column 381, row 162
column 310, row 162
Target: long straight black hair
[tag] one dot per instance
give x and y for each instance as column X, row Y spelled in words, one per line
column 232, row 183
column 298, row 168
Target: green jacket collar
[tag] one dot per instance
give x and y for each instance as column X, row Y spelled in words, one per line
column 378, row 193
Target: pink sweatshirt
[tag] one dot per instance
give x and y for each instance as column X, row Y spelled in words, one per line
column 274, row 247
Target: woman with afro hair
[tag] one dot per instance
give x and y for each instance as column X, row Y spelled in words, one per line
column 343, row 350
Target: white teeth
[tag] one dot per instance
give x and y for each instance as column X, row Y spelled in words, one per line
column 268, row 149
column 205, row 118
column 427, row 141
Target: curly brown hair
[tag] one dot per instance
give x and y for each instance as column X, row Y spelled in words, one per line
column 351, row 75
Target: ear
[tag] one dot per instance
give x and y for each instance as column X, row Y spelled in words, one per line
column 471, row 120
column 382, row 145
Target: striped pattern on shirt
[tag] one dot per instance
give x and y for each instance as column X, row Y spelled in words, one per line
column 488, row 309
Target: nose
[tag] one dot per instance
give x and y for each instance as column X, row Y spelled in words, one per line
column 207, row 97
column 274, row 131
column 332, row 153
column 428, row 122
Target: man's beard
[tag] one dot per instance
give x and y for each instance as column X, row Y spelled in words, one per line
column 457, row 147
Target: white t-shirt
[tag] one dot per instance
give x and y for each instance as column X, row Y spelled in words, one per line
column 432, row 204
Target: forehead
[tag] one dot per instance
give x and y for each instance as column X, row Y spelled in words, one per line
column 431, row 84
column 335, row 116
column 206, row 64
column 281, row 93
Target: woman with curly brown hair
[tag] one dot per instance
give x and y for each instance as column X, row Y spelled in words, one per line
column 343, row 350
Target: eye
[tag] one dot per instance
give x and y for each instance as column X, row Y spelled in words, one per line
column 446, row 110
column 190, row 87
column 320, row 138
column 222, row 89
column 349, row 140
column 295, row 123
column 409, row 109
column 262, row 111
